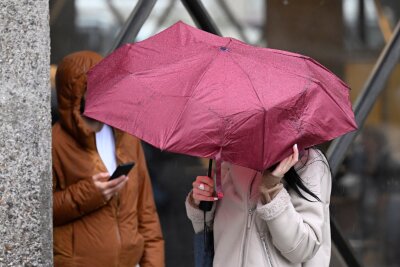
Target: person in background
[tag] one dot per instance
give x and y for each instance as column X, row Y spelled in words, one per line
column 98, row 222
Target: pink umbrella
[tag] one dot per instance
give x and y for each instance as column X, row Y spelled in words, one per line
column 188, row 91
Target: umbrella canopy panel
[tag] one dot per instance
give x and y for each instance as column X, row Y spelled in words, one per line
column 191, row 92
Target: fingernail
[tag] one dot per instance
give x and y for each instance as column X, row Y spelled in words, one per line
column 295, row 145
column 215, row 198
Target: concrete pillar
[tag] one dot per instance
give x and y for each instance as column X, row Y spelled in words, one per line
column 25, row 134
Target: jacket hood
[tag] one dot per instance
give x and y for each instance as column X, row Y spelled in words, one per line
column 71, row 89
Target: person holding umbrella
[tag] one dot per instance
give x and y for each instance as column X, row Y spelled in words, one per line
column 98, row 221
column 279, row 217
column 187, row 91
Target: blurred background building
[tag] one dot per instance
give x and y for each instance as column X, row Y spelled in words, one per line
column 346, row 36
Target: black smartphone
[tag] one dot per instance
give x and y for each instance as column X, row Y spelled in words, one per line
column 122, row 169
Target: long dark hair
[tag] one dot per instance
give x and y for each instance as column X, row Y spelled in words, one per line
column 294, row 181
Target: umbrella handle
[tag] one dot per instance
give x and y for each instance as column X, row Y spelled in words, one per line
column 207, row 205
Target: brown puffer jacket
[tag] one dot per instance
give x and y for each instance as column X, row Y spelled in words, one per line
column 89, row 231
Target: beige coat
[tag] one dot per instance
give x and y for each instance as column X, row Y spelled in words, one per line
column 288, row 231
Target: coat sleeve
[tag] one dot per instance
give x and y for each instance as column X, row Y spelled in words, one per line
column 75, row 200
column 196, row 216
column 295, row 224
column 149, row 224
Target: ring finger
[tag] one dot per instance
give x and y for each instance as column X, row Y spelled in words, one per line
column 197, row 191
column 203, row 187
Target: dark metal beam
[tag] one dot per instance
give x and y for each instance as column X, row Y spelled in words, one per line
column 375, row 84
column 134, row 23
column 343, row 246
column 200, row 16
column 361, row 21
column 232, row 18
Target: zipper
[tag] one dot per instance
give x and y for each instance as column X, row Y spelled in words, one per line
column 248, row 223
column 265, row 246
column 248, row 227
column 249, row 218
column 266, row 250
column 264, row 241
column 267, row 243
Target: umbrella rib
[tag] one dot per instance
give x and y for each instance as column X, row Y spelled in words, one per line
column 168, row 136
column 259, row 100
column 314, row 80
column 263, row 138
column 332, row 98
column 248, row 77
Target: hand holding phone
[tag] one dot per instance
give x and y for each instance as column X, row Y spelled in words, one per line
column 122, row 169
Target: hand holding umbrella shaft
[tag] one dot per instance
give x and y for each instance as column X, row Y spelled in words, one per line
column 203, row 190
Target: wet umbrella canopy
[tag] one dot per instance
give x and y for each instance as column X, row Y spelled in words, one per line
column 188, row 91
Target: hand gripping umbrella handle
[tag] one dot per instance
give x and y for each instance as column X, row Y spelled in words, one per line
column 207, row 205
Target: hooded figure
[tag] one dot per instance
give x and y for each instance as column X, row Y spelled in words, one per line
column 92, row 228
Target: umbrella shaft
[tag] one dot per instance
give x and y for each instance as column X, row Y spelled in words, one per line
column 207, row 205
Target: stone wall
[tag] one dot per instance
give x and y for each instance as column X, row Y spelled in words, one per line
column 25, row 134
